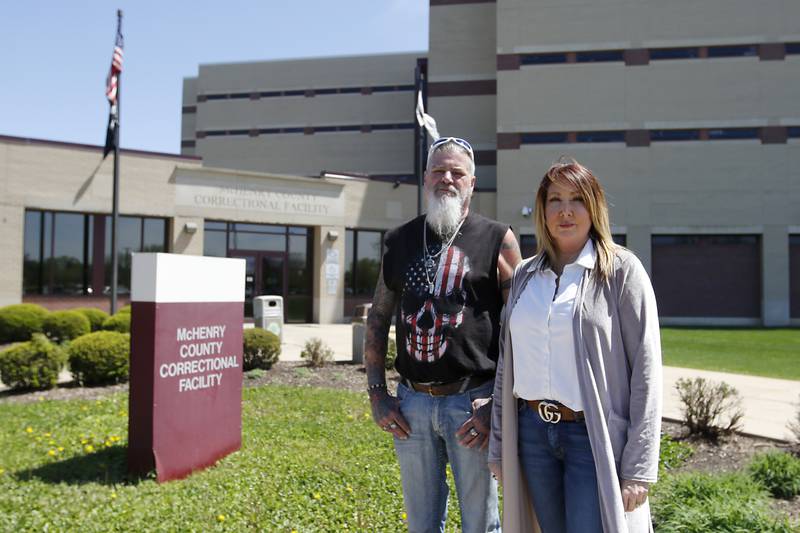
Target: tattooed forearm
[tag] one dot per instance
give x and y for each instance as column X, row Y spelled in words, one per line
column 508, row 259
column 377, row 334
column 509, row 245
column 505, row 284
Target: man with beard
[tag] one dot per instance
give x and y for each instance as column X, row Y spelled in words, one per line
column 444, row 276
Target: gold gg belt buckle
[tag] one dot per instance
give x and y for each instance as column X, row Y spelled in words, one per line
column 549, row 412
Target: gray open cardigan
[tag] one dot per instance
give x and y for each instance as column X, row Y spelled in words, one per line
column 618, row 353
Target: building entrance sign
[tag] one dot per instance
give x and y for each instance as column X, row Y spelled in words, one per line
column 186, row 362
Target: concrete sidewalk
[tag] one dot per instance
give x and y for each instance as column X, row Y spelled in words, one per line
column 769, row 403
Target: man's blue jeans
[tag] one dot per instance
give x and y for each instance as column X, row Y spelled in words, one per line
column 559, row 469
column 423, row 459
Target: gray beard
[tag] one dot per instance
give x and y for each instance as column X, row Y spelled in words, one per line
column 444, row 213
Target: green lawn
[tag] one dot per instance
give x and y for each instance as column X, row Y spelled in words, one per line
column 312, row 460
column 771, row 353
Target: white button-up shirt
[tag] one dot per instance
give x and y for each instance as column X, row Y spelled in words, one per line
column 541, row 334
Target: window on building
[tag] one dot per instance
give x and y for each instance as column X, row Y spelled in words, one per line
column 543, row 138
column 792, row 48
column 733, row 134
column 599, row 56
column 733, row 51
column 657, row 54
column 674, row 135
column 600, row 137
column 707, row 275
column 62, row 257
column 794, row 276
column 363, row 252
column 543, row 59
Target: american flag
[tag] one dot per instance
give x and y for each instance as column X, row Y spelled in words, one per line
column 113, row 73
column 426, row 337
column 112, row 90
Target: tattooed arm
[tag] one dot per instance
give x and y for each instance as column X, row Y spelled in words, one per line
column 385, row 407
column 506, row 262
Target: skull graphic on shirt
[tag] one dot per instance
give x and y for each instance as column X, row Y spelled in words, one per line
column 430, row 317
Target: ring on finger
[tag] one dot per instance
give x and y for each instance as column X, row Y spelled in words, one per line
column 473, row 432
column 392, row 426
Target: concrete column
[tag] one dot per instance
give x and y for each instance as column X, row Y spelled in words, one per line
column 639, row 241
column 775, row 276
column 12, row 229
column 328, row 273
column 183, row 242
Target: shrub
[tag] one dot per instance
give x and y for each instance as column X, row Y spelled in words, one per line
column 709, row 409
column 778, row 472
column 124, row 309
column 100, row 358
column 697, row 503
column 34, row 364
column 96, row 316
column 261, row 349
column 672, row 454
column 317, row 352
column 66, row 325
column 121, row 323
column 391, row 354
column 19, row 322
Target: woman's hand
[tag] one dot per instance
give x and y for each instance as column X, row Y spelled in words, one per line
column 634, row 494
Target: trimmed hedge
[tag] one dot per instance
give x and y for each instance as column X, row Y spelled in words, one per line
column 261, row 349
column 100, row 358
column 34, row 364
column 96, row 316
column 62, row 326
column 19, row 322
column 121, row 323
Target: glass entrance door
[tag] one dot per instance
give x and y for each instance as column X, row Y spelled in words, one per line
column 265, row 275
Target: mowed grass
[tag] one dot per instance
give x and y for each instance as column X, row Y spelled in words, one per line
column 773, row 353
column 311, row 460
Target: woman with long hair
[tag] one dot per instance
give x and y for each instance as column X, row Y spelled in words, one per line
column 577, row 402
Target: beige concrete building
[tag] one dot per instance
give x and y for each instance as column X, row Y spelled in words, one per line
column 687, row 112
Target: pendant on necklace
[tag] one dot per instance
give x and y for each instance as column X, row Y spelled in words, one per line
column 429, row 263
column 430, row 287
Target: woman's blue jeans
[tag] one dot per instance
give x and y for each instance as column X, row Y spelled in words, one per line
column 559, row 470
column 424, row 456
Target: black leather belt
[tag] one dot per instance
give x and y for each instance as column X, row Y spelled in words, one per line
column 446, row 389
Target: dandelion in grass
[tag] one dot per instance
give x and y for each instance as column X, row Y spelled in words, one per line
column 317, row 496
column 51, row 453
column 47, row 435
column 60, row 448
column 403, row 516
column 88, row 448
column 51, row 442
column 2, row 471
column 349, row 489
column 220, row 518
column 113, row 495
column 29, row 430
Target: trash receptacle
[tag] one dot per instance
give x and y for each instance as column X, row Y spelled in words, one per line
column 359, row 331
column 268, row 314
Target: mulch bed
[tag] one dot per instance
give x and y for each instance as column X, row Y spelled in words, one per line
column 729, row 454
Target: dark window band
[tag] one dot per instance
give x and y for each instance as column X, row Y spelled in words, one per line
column 308, row 93
column 633, row 138
column 310, row 130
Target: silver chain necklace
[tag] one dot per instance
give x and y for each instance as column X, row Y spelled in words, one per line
column 430, row 259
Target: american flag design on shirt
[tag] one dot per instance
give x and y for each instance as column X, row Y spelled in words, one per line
column 431, row 318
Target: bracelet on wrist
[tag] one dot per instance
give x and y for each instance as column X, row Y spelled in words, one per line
column 375, row 386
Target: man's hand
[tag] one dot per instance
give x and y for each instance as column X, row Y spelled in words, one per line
column 497, row 471
column 474, row 433
column 386, row 413
column 634, row 494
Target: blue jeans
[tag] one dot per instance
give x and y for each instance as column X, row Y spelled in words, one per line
column 423, row 459
column 559, row 469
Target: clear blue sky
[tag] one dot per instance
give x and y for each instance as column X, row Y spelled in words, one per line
column 55, row 55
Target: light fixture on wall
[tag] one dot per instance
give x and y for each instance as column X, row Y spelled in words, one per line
column 333, row 235
column 526, row 211
column 190, row 227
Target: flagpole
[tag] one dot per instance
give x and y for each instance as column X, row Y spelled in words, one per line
column 115, row 193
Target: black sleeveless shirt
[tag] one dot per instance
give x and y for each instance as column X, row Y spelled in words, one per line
column 447, row 320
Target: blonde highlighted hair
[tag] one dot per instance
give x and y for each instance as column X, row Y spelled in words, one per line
column 570, row 172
